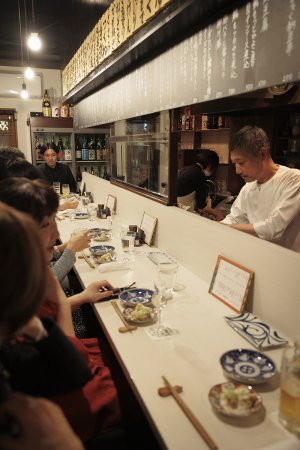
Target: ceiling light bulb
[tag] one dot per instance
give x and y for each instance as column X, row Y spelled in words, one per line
column 34, row 42
column 29, row 73
column 24, row 93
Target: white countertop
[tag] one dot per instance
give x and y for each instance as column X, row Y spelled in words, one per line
column 189, row 358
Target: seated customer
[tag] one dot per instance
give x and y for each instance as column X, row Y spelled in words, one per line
column 97, row 406
column 33, row 422
column 192, row 187
column 53, row 171
column 268, row 206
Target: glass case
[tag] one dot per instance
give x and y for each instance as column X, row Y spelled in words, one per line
column 140, row 152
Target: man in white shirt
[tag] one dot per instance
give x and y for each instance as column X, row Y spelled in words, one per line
column 268, row 206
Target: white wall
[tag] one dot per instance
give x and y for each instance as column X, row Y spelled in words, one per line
column 196, row 243
column 52, row 82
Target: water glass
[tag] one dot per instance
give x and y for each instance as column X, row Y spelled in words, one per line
column 127, row 240
column 65, row 190
column 289, row 406
column 56, row 186
column 167, row 272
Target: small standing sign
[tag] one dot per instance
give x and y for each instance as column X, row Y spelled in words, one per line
column 231, row 283
column 148, row 226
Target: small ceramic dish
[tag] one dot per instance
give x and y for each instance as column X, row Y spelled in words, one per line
column 235, row 399
column 247, row 366
column 141, row 314
column 99, row 250
column 133, row 297
column 81, row 215
column 102, row 235
column 94, row 232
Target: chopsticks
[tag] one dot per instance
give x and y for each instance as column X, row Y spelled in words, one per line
column 193, row 419
column 119, row 312
column 87, row 261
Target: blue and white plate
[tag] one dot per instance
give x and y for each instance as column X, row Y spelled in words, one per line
column 133, row 297
column 99, row 250
column 260, row 334
column 81, row 215
column 247, row 366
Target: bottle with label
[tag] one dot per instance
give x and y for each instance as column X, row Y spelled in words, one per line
column 92, row 151
column 78, row 154
column 68, row 151
column 85, row 150
column 61, row 150
column 46, row 105
column 37, row 148
column 64, row 110
column 98, row 149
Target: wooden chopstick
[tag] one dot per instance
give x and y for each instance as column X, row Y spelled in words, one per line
column 119, row 312
column 203, row 433
column 88, row 261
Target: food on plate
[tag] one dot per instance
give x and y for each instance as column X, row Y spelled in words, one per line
column 141, row 312
column 102, row 236
column 106, row 257
column 237, row 397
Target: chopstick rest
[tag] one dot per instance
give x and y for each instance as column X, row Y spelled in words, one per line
column 165, row 391
column 190, row 415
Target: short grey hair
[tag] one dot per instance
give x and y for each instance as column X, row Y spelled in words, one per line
column 250, row 140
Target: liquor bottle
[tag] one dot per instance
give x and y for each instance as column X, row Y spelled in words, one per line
column 91, row 148
column 78, row 178
column 37, row 148
column 105, row 174
column 64, row 110
column 85, row 150
column 92, row 171
column 46, row 105
column 68, row 151
column 78, row 154
column 98, row 149
column 61, row 150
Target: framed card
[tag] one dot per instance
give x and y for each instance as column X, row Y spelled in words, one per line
column 148, row 226
column 111, row 203
column 231, row 283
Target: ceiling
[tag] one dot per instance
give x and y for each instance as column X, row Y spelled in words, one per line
column 62, row 25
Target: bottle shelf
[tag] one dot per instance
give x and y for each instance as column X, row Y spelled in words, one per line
column 95, row 161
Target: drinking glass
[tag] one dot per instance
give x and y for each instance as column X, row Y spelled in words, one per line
column 65, row 190
column 127, row 240
column 159, row 301
column 56, row 186
column 289, row 406
column 167, row 272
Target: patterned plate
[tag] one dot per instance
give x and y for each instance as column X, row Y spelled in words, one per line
column 132, row 297
column 247, row 366
column 255, row 331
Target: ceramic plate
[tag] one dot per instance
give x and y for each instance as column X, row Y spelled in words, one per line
column 102, row 235
column 255, row 331
column 103, row 259
column 133, row 297
column 129, row 314
column 247, row 366
column 234, row 399
column 79, row 215
column 99, row 250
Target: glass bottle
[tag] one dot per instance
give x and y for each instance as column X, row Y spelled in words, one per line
column 98, row 149
column 46, row 105
column 85, row 150
column 105, row 174
column 91, row 148
column 37, row 148
column 61, row 150
column 78, row 178
column 78, row 154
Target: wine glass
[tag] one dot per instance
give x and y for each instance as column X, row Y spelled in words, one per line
column 159, row 301
column 167, row 272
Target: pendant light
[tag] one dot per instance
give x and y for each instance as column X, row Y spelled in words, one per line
column 28, row 73
column 24, row 93
column 34, row 42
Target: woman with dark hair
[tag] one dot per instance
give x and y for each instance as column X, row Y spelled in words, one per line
column 28, row 422
column 53, row 171
column 192, row 186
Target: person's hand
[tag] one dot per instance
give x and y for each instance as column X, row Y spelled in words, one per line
column 42, row 425
column 33, row 330
column 79, row 242
column 94, row 292
column 70, row 203
column 218, row 215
